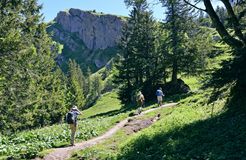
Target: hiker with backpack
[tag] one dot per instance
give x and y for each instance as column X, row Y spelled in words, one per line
column 71, row 119
column 159, row 95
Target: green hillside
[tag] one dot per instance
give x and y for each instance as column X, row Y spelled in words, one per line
column 195, row 129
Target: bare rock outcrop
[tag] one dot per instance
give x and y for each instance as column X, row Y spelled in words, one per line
column 94, row 30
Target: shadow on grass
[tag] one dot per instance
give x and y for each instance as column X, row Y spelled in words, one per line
column 221, row 137
column 233, row 74
column 177, row 97
column 125, row 108
column 111, row 113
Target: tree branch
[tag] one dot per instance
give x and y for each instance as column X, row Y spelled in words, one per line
column 233, row 42
column 233, row 19
column 194, row 5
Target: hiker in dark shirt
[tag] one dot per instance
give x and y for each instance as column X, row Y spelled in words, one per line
column 73, row 126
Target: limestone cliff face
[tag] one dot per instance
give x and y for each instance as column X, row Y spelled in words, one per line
column 88, row 37
column 96, row 31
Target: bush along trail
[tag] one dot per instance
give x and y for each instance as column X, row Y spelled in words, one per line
column 64, row 153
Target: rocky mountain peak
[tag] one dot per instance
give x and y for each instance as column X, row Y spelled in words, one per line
column 95, row 30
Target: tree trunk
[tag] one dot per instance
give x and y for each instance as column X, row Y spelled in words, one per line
column 175, row 72
column 175, row 46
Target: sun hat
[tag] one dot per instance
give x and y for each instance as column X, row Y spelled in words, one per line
column 75, row 108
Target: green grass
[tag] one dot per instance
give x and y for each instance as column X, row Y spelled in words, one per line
column 43, row 153
column 192, row 82
column 190, row 132
column 124, row 18
column 3, row 157
column 109, row 102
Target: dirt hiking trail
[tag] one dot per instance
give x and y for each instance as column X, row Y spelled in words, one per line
column 65, row 152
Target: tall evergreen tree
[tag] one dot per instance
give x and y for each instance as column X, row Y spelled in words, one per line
column 76, row 79
column 31, row 90
column 177, row 24
column 96, row 86
column 87, row 83
column 162, row 61
column 183, row 53
column 137, row 45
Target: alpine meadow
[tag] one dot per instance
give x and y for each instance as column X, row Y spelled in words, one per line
column 91, row 85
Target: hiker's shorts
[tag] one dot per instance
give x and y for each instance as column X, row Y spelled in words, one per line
column 159, row 98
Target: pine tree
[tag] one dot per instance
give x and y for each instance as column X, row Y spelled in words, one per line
column 138, row 49
column 162, row 63
column 96, row 86
column 32, row 93
column 87, row 84
column 183, row 55
column 76, row 79
column 124, row 67
column 177, row 26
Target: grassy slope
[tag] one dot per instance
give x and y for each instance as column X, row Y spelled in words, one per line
column 109, row 102
column 193, row 130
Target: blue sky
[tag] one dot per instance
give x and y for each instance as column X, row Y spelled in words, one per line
column 117, row 7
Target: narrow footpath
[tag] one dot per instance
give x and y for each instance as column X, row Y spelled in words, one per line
column 65, row 152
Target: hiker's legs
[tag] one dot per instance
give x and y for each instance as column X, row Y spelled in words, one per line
column 139, row 110
column 159, row 98
column 73, row 130
column 143, row 104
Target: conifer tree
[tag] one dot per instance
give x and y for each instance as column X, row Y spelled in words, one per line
column 177, row 26
column 96, row 86
column 183, row 53
column 32, row 91
column 76, row 79
column 138, row 49
column 87, row 83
